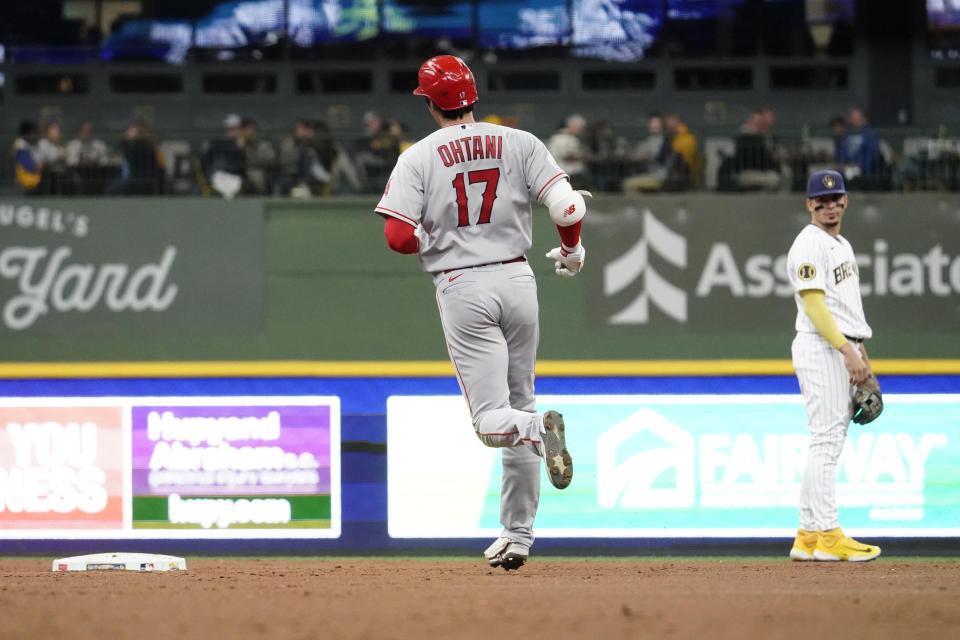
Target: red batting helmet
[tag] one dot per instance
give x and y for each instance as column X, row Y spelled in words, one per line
column 447, row 81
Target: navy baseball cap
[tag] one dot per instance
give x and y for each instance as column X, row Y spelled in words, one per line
column 824, row 183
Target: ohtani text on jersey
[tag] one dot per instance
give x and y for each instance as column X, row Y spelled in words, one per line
column 844, row 270
column 471, row 148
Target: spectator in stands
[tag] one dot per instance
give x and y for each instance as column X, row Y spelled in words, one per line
column 401, row 132
column 609, row 156
column 307, row 161
column 88, row 158
column 53, row 157
column 141, row 172
column 754, row 164
column 859, row 148
column 780, row 153
column 603, row 140
column 28, row 171
column 653, row 151
column 378, row 152
column 262, row 157
column 86, row 150
column 683, row 165
column 225, row 160
column 567, row 148
column 838, row 129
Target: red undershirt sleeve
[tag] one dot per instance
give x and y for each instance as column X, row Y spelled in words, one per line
column 400, row 236
column 570, row 236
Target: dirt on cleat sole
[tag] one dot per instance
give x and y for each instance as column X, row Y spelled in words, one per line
column 557, row 458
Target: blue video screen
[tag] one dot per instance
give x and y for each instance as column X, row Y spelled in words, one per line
column 702, row 9
column 313, row 22
column 513, row 24
column 452, row 20
column 167, row 40
column 618, row 30
column 241, row 24
column 943, row 14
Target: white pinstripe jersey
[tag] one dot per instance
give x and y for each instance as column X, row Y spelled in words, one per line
column 817, row 260
column 469, row 186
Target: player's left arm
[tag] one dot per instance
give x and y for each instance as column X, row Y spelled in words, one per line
column 567, row 209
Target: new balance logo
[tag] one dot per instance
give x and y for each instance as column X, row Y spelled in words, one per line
column 634, row 265
column 569, row 211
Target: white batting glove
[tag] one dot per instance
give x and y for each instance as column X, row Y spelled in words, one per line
column 568, row 263
column 418, row 232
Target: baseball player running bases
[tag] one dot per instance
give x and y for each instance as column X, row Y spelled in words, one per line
column 460, row 199
column 830, row 360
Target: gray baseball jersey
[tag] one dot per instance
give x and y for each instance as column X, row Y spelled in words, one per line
column 469, row 186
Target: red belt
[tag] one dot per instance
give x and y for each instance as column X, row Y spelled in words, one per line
column 488, row 264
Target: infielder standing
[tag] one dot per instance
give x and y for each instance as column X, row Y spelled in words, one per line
column 830, row 360
column 461, row 199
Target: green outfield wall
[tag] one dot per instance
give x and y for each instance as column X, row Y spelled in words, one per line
column 682, row 277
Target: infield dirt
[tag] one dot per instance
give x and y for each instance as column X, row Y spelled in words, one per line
column 438, row 599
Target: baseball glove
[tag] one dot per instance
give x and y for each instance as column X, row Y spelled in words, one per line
column 867, row 401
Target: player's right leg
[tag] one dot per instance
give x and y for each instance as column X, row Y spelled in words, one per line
column 470, row 312
column 500, row 397
column 824, row 382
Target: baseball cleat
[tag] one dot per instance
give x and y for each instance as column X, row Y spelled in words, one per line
column 495, row 551
column 559, row 463
column 833, row 545
column 803, row 545
column 506, row 553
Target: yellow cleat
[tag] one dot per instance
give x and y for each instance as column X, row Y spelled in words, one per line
column 833, row 545
column 803, row 545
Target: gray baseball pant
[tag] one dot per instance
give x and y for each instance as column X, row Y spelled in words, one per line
column 490, row 322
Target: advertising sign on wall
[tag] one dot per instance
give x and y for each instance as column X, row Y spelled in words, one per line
column 669, row 269
column 192, row 467
column 61, row 466
column 101, row 265
column 680, row 466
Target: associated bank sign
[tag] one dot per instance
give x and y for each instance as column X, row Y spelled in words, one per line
column 714, row 271
column 95, row 265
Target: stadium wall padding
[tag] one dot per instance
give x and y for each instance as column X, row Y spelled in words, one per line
column 680, row 276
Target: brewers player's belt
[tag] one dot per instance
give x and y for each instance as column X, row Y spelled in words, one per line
column 490, row 264
column 852, row 339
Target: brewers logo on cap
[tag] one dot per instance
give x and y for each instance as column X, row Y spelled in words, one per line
column 824, row 183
